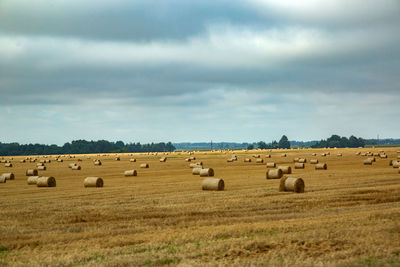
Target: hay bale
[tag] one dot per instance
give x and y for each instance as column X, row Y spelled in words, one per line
column 256, row 156
column 192, row 158
column 230, row 160
column 321, row 166
column 44, row 181
column 22, row 161
column 8, row 165
column 296, row 160
column 93, row 182
column 130, row 173
column 144, row 165
column 195, row 165
column 372, row 159
column 268, row 156
column 247, row 160
column 291, row 184
column 375, row 154
column 383, row 156
column 60, row 160
column 76, row 167
column 368, row 162
column 188, row 160
column 260, row 161
column 314, row 154
column 299, row 165
column 2, row 179
column 97, row 163
column 71, row 165
column 396, row 164
column 303, row 160
column 314, row 161
column 39, row 164
column 285, row 169
column 163, row 159
column 391, row 162
column 271, row 165
column 31, row 172
column 283, row 155
column 274, row 174
column 32, row 180
column 117, row 158
column 206, row 172
column 132, row 160
column 8, row 176
column 323, row 154
column 196, row 171
column 41, row 168
column 213, row 184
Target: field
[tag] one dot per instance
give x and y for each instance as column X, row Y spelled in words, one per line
column 349, row 214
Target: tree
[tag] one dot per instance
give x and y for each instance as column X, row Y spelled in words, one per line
column 262, row 145
column 250, row 147
column 284, row 142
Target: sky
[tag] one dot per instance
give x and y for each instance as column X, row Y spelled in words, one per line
column 194, row 71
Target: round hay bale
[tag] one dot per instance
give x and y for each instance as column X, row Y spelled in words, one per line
column 42, row 168
column 299, row 165
column 76, row 167
column 271, row 165
column 2, row 179
column 188, row 159
column 323, row 155
column 117, row 159
column 132, row 160
column 372, row 159
column 195, row 165
column 314, row 154
column 291, row 184
column 31, row 172
column 314, row 161
column 383, row 156
column 396, row 164
column 283, row 155
column 368, row 162
column 260, row 160
column 247, row 160
column 391, row 162
column 130, row 173
column 321, row 166
column 144, row 165
column 93, row 182
column 22, row 161
column 268, row 156
column 196, row 171
column 163, row 159
column 285, row 169
column 206, row 172
column 71, row 165
column 39, row 164
column 192, row 158
column 213, row 184
column 302, row 160
column 32, row 180
column 97, row 163
column 44, row 181
column 375, row 154
column 256, row 156
column 274, row 174
column 8, row 165
column 296, row 160
column 230, row 160
column 8, row 176
column 60, row 160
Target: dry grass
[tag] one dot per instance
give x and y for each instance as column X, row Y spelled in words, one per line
column 349, row 214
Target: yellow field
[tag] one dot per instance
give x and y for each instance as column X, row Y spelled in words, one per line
column 349, row 214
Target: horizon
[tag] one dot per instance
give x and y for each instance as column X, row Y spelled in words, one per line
column 199, row 70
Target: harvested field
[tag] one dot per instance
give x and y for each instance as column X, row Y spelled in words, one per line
column 348, row 215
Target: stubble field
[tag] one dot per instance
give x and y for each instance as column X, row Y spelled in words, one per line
column 349, row 214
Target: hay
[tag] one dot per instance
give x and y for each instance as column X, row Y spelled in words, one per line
column 195, row 165
column 76, row 167
column 117, row 158
column 296, row 160
column 144, row 165
column 283, row 155
column 132, row 160
column 8, row 176
column 32, row 180
column 213, row 184
column 268, row 156
column 299, row 165
column 339, row 154
column 188, row 159
column 93, row 182
column 8, row 165
column 41, row 168
column 44, row 181
column 256, row 156
column 97, row 163
column 22, row 161
column 314, row 154
column 130, row 173
column 303, row 160
column 321, row 166
column 323, row 155
column 196, row 171
column 274, row 174
column 192, row 158
column 32, row 172
column 368, row 162
column 163, row 159
column 285, row 169
column 2, row 179
column 396, row 164
column 206, row 172
column 71, row 165
column 60, row 160
column 247, row 160
column 260, row 161
column 314, row 161
column 291, row 184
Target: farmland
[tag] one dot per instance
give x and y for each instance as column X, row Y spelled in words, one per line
column 349, row 214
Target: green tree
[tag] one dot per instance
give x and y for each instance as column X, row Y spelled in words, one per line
column 250, row 147
column 262, row 145
column 284, row 142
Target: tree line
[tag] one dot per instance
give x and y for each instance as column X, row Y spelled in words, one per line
column 82, row 147
column 337, row 141
column 283, row 143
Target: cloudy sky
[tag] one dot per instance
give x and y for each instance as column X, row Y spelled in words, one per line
column 179, row 70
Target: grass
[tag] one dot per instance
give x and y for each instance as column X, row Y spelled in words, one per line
column 348, row 215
